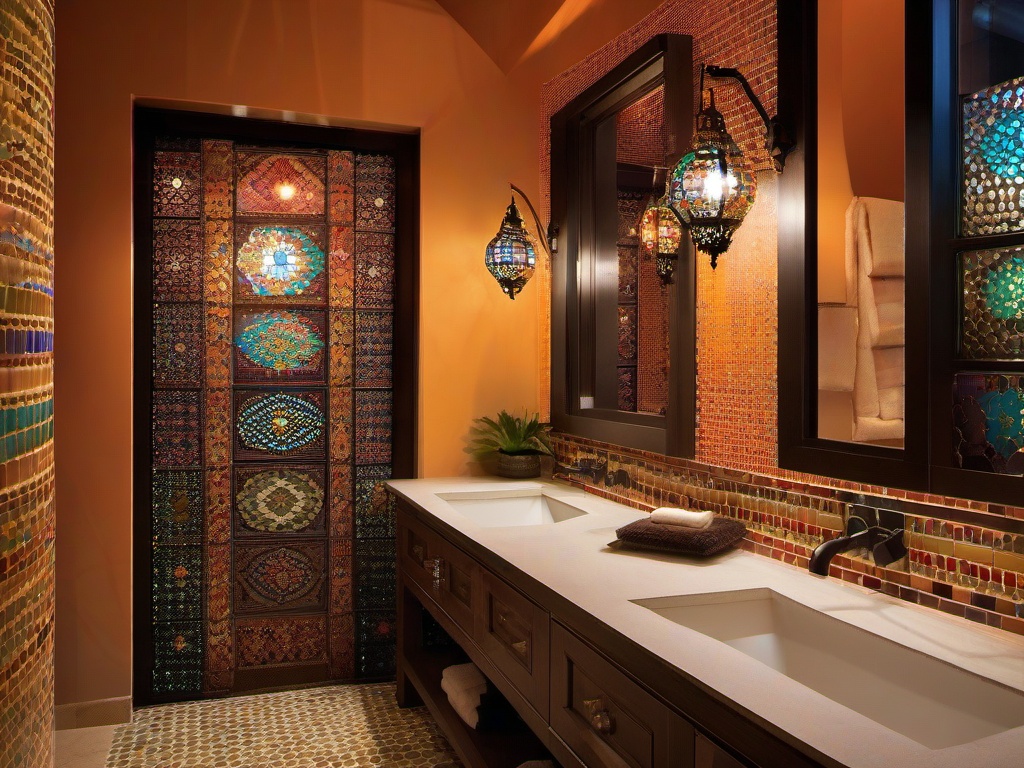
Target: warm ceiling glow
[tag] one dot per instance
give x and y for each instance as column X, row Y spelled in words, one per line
column 285, row 191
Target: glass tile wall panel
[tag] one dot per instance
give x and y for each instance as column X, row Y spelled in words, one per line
column 988, row 422
column 992, row 312
column 993, row 159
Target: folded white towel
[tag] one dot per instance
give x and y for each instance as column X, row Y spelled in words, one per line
column 471, row 696
column 468, row 714
column 464, row 676
column 686, row 518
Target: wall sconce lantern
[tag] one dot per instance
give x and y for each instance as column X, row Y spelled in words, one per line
column 713, row 186
column 511, row 256
column 661, row 234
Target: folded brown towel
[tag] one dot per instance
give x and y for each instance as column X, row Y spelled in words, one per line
column 722, row 534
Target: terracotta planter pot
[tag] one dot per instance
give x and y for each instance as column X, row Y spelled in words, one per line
column 524, row 465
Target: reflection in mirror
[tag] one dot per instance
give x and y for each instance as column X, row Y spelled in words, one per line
column 642, row 342
column 860, row 248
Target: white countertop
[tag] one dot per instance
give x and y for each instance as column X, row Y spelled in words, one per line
column 572, row 559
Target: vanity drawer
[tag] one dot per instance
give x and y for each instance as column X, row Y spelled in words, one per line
column 605, row 718
column 418, row 553
column 512, row 631
column 459, row 589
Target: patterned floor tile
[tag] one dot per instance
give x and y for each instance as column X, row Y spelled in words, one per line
column 346, row 726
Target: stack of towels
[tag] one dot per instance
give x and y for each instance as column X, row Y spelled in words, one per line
column 682, row 531
column 475, row 701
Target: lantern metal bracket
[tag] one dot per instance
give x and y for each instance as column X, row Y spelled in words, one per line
column 779, row 140
column 550, row 237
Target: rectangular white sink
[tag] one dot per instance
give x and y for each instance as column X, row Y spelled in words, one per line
column 925, row 699
column 506, row 508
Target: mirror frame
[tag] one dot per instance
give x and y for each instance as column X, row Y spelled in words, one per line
column 664, row 60
column 799, row 446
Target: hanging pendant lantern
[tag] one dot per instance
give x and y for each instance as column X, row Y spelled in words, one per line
column 511, row 256
column 713, row 186
column 661, row 234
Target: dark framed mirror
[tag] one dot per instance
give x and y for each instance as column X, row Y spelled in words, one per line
column 623, row 367
column 857, row 208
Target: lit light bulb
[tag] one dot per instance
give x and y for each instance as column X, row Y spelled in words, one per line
column 285, row 191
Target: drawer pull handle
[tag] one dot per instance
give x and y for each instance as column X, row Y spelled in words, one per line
column 600, row 718
column 418, row 553
column 435, row 568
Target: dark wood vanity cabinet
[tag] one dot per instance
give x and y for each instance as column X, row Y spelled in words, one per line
column 589, row 696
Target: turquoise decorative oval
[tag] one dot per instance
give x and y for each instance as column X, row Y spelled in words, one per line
column 280, row 261
column 279, row 423
column 1002, row 143
column 281, row 341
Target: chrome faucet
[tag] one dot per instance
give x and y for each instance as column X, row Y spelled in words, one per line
column 886, row 547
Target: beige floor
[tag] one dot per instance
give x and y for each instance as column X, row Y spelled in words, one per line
column 345, row 726
column 84, row 747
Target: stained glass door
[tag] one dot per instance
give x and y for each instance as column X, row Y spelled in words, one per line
column 273, row 283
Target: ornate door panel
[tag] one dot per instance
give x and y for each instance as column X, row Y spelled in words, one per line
column 271, row 543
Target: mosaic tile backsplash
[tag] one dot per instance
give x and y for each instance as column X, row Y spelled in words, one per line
column 26, row 384
column 965, row 558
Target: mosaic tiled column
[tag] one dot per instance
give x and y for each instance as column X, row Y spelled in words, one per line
column 26, row 383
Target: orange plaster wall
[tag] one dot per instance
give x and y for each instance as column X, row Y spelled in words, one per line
column 398, row 62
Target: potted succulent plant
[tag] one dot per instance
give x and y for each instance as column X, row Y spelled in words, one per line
column 516, row 442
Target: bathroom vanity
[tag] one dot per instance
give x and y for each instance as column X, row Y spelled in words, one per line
column 616, row 658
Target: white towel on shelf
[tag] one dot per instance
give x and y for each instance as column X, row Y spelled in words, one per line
column 685, row 518
column 468, row 714
column 468, row 696
column 463, row 676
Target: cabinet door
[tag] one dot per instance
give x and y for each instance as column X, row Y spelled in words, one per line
column 458, row 588
column 418, row 553
column 707, row 755
column 512, row 631
column 605, row 717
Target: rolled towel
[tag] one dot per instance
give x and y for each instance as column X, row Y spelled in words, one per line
column 685, row 518
column 463, row 676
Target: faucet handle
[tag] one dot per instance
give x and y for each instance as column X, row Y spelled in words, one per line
column 890, row 549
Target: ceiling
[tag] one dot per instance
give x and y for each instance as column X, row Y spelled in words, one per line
column 506, row 29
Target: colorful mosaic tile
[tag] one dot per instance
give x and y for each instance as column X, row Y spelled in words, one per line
column 218, row 179
column 280, row 345
column 177, row 657
column 26, row 424
column 292, row 640
column 218, row 241
column 277, row 578
column 375, row 661
column 177, row 583
column 218, row 505
column 375, row 193
column 342, row 343
column 373, row 426
column 280, row 424
column 284, row 729
column 374, row 352
column 341, row 577
column 993, row 159
column 375, row 270
column 280, row 184
column 341, row 426
column 177, row 188
column 342, row 268
column 177, row 260
column 627, row 388
column 627, row 334
column 220, row 644
column 341, row 518
column 280, row 499
column 340, row 183
column 343, row 650
column 628, row 274
column 172, row 143
column 177, row 507
column 178, row 336
column 992, row 313
column 177, row 436
column 988, row 423
column 375, row 627
column 375, row 574
column 218, row 426
column 283, row 263
column 374, row 506
column 218, row 346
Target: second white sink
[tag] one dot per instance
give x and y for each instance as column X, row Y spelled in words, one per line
column 927, row 700
column 502, row 508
